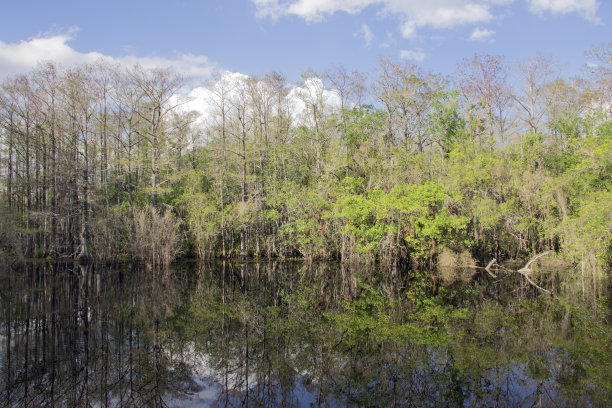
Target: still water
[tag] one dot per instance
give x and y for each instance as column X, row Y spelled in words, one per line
column 290, row 334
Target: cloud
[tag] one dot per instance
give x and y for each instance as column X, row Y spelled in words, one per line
column 196, row 67
column 416, row 14
column 311, row 90
column 389, row 41
column 18, row 58
column 482, row 35
column 586, row 8
column 310, row 10
column 415, row 55
column 413, row 14
column 268, row 8
column 408, row 29
column 22, row 57
column 367, row 34
column 206, row 99
column 451, row 16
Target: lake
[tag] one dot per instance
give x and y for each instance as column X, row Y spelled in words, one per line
column 291, row 334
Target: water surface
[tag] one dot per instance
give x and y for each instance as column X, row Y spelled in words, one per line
column 289, row 334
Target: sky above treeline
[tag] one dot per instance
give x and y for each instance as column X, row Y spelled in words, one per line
column 254, row 37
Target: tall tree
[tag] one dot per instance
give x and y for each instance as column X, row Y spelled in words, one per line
column 311, row 93
column 350, row 87
column 408, row 94
column 158, row 88
column 601, row 73
column 220, row 127
column 484, row 78
column 533, row 75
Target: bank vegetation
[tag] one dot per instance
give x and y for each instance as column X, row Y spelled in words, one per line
column 500, row 160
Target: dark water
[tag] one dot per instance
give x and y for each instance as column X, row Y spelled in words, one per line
column 267, row 335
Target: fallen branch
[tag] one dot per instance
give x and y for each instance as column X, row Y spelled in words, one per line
column 525, row 270
column 532, row 283
column 532, row 260
column 488, row 267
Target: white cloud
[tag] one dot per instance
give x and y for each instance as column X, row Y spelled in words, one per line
column 18, row 58
column 416, row 14
column 206, row 99
column 482, row 35
column 586, row 8
column 415, row 55
column 197, row 67
column 310, row 91
column 268, row 8
column 451, row 16
column 317, row 10
column 413, row 14
column 367, row 34
column 389, row 41
column 408, row 29
column 203, row 98
column 22, row 57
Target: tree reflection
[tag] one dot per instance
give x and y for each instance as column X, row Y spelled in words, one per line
column 76, row 336
column 289, row 334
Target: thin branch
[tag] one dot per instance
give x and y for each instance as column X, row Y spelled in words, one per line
column 532, row 283
column 532, row 260
column 488, row 267
column 525, row 270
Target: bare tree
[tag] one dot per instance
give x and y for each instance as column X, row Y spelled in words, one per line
column 220, row 100
column 533, row 74
column 565, row 102
column 484, row 78
column 312, row 94
column 350, row 87
column 601, row 72
column 80, row 105
column 158, row 88
column 19, row 120
column 408, row 94
column 46, row 77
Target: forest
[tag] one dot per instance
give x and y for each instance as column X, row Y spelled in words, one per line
column 499, row 160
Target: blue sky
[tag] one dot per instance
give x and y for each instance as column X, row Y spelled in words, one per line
column 258, row 36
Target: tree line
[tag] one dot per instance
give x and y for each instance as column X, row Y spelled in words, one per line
column 105, row 162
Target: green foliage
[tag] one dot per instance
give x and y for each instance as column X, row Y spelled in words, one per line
column 373, row 318
column 586, row 230
column 589, row 230
column 202, row 208
column 365, row 320
column 446, row 121
column 422, row 169
column 411, row 217
column 155, row 236
column 305, row 228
